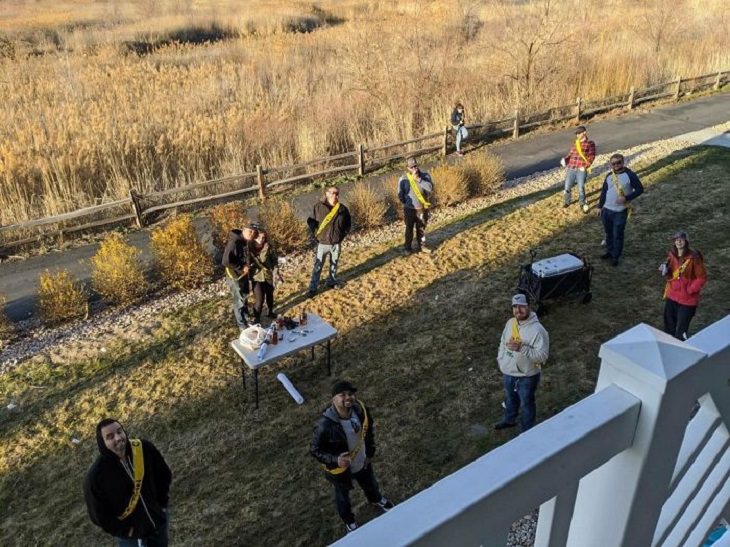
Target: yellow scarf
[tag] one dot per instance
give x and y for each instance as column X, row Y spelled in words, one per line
column 516, row 331
column 328, row 218
column 675, row 275
column 358, row 447
column 138, row 465
column 417, row 191
column 620, row 192
column 579, row 149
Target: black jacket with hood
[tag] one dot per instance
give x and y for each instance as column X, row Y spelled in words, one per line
column 336, row 231
column 108, row 489
column 235, row 254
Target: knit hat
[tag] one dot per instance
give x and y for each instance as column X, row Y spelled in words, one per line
column 342, row 385
column 680, row 235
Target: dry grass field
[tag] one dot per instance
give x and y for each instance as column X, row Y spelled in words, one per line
column 244, row 477
column 100, row 97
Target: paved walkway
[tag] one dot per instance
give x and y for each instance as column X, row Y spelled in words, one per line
column 525, row 156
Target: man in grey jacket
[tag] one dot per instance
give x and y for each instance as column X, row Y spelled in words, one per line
column 414, row 189
column 523, row 350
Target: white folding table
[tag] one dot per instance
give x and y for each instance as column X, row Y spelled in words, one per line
column 315, row 332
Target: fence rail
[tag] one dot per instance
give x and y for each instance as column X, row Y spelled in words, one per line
column 141, row 207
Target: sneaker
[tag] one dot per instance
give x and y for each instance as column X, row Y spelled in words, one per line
column 460, row 153
column 336, row 285
column 606, row 256
column 311, row 294
column 384, row 504
column 603, row 243
column 503, row 425
column 586, row 208
column 566, row 205
column 351, row 526
column 425, row 250
column 504, row 405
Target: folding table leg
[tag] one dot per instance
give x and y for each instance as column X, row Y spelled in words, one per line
column 256, row 385
column 329, row 364
column 313, row 353
column 243, row 374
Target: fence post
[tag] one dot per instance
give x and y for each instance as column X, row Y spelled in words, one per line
column 360, row 159
column 577, row 110
column 260, row 179
column 632, row 95
column 718, row 81
column 136, row 208
column 676, row 91
column 445, row 147
column 516, row 126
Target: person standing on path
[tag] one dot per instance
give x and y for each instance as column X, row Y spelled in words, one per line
column 236, row 262
column 127, row 489
column 414, row 189
column 620, row 187
column 329, row 225
column 457, row 121
column 344, row 443
column 578, row 165
column 523, row 349
column 684, row 271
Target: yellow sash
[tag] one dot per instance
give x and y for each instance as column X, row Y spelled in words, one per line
column 675, row 275
column 417, row 191
column 620, row 192
column 328, row 218
column 516, row 331
column 138, row 464
column 579, row 149
column 358, row 447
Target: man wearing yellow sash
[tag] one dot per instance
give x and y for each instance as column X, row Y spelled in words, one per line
column 236, row 262
column 620, row 187
column 127, row 488
column 414, row 189
column 523, row 349
column 329, row 225
column 685, row 275
column 344, row 443
column 578, row 164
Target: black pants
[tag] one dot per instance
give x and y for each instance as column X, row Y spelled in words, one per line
column 677, row 318
column 417, row 218
column 262, row 290
column 366, row 479
column 614, row 224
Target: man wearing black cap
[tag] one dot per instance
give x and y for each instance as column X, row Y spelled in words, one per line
column 414, row 190
column 685, row 274
column 127, row 488
column 578, row 164
column 344, row 443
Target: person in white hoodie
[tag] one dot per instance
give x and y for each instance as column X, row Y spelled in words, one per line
column 523, row 350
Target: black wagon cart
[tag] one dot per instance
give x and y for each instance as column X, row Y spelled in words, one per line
column 562, row 275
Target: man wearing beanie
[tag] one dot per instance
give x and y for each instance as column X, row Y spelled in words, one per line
column 685, row 274
column 127, row 488
column 523, row 350
column 344, row 443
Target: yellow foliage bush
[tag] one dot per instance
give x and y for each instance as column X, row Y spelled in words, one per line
column 116, row 273
column 225, row 217
column 391, row 197
column 181, row 258
column 366, row 208
column 60, row 297
column 450, row 184
column 485, row 172
column 286, row 230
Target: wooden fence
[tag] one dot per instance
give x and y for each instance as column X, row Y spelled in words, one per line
column 141, row 210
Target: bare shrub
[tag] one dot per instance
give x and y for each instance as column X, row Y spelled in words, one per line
column 225, row 217
column 286, row 230
column 451, row 185
column 6, row 327
column 391, row 197
column 116, row 272
column 60, row 297
column 485, row 173
column 366, row 208
column 181, row 257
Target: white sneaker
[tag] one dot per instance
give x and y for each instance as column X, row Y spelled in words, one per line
column 351, row 527
column 586, row 208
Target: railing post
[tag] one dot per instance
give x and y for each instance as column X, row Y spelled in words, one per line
column 632, row 97
column 260, row 180
column 577, row 110
column 445, row 147
column 136, row 208
column 516, row 126
column 677, row 91
column 718, row 81
column 360, row 159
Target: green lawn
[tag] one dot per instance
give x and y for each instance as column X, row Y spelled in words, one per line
column 419, row 337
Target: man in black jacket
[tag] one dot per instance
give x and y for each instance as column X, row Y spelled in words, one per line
column 236, row 261
column 344, row 442
column 127, row 488
column 329, row 225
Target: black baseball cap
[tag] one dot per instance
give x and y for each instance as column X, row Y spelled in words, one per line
column 580, row 129
column 342, row 385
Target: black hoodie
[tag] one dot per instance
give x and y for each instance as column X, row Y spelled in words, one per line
column 108, row 489
column 235, row 255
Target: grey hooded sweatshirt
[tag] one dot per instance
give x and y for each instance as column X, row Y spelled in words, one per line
column 533, row 353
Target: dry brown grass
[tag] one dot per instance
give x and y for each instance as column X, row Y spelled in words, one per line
column 224, row 218
column 285, row 229
column 450, row 184
column 485, row 173
column 366, row 207
column 116, row 271
column 6, row 327
column 181, row 258
column 391, row 197
column 60, row 297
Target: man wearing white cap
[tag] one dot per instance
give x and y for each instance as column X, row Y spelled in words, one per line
column 523, row 349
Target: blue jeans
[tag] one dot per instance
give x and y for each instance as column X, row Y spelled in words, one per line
column 519, row 397
column 573, row 176
column 239, row 292
column 322, row 251
column 157, row 539
column 461, row 134
column 614, row 224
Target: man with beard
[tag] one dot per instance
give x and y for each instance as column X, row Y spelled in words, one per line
column 237, row 262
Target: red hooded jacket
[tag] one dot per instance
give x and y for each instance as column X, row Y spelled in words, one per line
column 686, row 288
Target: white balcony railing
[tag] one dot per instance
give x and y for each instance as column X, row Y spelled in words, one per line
column 625, row 467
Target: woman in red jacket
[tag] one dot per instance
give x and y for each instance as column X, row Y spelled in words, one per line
column 685, row 273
